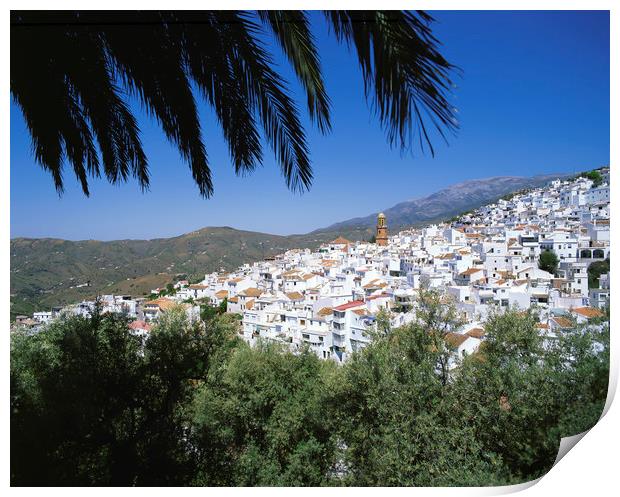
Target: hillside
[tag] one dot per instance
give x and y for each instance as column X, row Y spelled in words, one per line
column 448, row 202
column 48, row 272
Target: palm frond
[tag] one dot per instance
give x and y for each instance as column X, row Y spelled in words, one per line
column 72, row 73
column 405, row 76
column 292, row 30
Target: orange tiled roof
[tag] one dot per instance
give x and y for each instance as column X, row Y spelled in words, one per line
column 251, row 292
column 349, row 305
column 140, row 325
column 295, row 296
column 455, row 339
column 588, row 312
column 325, row 311
column 470, row 271
column 475, row 333
column 563, row 322
column 162, row 303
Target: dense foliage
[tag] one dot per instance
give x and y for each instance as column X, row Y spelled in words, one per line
column 548, row 261
column 595, row 270
column 93, row 404
column 595, row 176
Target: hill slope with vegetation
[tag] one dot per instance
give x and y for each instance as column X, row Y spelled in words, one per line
column 47, row 272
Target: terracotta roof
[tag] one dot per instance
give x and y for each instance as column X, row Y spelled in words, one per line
column 349, row 305
column 563, row 322
column 140, row 325
column 295, row 296
column 449, row 255
column 325, row 311
column 360, row 312
column 475, row 333
column 198, row 287
column 588, row 312
column 455, row 339
column 221, row 294
column 249, row 304
column 162, row 303
column 470, row 271
column 234, row 300
column 251, row 292
column 376, row 283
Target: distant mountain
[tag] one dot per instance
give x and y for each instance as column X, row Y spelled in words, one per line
column 448, row 202
column 47, row 272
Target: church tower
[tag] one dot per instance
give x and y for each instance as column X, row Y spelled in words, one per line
column 382, row 233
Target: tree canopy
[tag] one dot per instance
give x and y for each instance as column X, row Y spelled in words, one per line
column 94, row 404
column 73, row 73
column 548, row 261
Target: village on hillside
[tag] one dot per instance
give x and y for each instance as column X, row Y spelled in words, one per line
column 488, row 259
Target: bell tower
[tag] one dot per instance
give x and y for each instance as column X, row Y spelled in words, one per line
column 382, row 231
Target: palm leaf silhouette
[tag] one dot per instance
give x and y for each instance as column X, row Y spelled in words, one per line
column 73, row 72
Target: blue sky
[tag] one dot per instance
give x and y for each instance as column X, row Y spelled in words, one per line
column 533, row 98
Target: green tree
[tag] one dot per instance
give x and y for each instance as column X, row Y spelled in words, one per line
column 91, row 404
column 595, row 270
column 548, row 261
column 94, row 404
column 266, row 421
column 523, row 391
column 71, row 73
column 595, row 176
column 73, row 409
column 396, row 422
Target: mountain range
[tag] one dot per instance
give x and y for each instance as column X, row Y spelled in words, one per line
column 48, row 272
column 448, row 202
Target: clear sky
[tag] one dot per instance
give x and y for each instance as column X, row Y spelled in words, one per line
column 533, row 98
